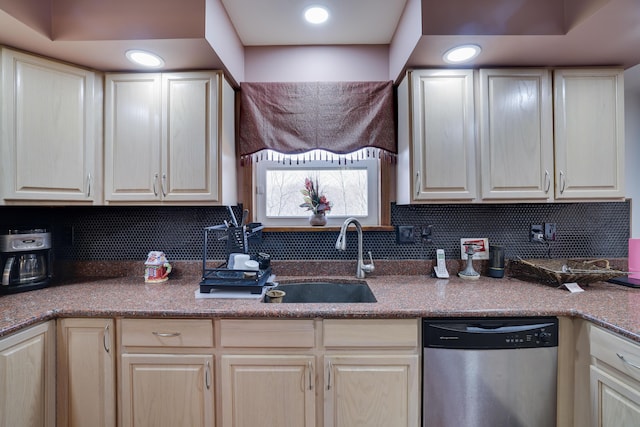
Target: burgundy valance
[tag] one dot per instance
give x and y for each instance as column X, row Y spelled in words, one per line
column 293, row 118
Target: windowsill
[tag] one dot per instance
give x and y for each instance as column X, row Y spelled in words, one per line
column 302, row 228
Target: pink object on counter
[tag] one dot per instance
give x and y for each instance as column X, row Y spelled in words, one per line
column 634, row 258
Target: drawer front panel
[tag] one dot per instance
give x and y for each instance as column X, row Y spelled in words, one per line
column 615, row 351
column 167, row 333
column 267, row 333
column 371, row 333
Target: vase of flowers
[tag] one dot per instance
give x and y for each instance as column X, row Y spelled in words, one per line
column 315, row 202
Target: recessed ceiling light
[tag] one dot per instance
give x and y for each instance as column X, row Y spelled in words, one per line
column 316, row 14
column 461, row 54
column 146, row 59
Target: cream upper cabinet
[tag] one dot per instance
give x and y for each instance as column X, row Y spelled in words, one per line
column 50, row 140
column 169, row 138
column 589, row 133
column 516, row 134
column 27, row 377
column 86, row 381
column 436, row 136
column 133, row 163
column 615, row 380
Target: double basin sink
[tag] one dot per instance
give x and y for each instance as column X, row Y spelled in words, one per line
column 325, row 292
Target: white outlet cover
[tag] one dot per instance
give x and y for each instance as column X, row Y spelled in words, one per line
column 482, row 247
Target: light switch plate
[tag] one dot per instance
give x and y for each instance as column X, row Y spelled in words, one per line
column 482, row 247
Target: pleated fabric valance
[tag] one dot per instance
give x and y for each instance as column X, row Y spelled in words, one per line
column 294, row 118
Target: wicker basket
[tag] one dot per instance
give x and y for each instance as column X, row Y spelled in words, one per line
column 555, row 272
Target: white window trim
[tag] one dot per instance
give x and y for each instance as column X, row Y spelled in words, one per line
column 372, row 164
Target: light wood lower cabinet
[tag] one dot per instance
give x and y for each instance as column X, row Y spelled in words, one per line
column 27, row 377
column 367, row 391
column 372, row 375
column 166, row 373
column 268, row 390
column 167, row 390
column 86, row 381
column 615, row 380
column 369, row 374
column 615, row 400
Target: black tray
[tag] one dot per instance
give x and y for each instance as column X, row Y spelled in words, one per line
column 233, row 280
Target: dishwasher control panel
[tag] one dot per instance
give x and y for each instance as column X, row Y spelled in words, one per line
column 490, row 333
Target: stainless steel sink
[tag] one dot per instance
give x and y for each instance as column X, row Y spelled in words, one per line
column 331, row 292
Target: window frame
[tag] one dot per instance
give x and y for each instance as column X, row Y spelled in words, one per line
column 371, row 165
column 386, row 183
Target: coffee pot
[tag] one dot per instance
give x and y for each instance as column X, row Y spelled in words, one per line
column 25, row 260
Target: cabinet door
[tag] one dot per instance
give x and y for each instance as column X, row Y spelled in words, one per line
column 369, row 391
column 516, row 134
column 615, row 401
column 133, row 168
column 50, row 138
column 190, row 136
column 86, row 373
column 268, row 391
column 161, row 390
column 589, row 133
column 27, row 378
column 442, row 136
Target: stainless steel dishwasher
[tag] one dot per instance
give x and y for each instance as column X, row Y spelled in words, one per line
column 490, row 372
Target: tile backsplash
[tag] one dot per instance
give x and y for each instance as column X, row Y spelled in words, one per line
column 590, row 230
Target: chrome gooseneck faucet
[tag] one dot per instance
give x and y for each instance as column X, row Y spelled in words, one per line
column 341, row 245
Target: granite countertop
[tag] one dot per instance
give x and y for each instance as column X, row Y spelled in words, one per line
column 611, row 306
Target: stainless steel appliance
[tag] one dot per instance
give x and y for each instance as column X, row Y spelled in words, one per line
column 25, row 260
column 490, row 372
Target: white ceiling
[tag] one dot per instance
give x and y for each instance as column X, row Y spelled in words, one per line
column 95, row 33
column 280, row 22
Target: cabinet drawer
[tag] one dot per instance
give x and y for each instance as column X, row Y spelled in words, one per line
column 167, row 333
column 370, row 333
column 610, row 349
column 267, row 333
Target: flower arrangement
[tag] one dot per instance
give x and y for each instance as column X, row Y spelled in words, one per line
column 313, row 199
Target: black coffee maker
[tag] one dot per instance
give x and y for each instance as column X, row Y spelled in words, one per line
column 25, row 259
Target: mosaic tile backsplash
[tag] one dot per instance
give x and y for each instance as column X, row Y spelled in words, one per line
column 589, row 230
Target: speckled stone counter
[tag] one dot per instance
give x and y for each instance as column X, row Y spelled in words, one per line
column 614, row 307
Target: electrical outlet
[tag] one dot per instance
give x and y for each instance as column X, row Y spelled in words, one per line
column 550, row 231
column 536, row 233
column 405, row 234
column 426, row 234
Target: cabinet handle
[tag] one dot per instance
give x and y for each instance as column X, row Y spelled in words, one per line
column 417, row 183
column 547, row 181
column 163, row 184
column 155, row 180
column 329, row 376
column 625, row 361
column 105, row 339
column 563, row 182
column 310, row 373
column 166, row 334
column 207, row 376
column 89, row 185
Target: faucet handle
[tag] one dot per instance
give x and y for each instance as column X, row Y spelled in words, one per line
column 368, row 268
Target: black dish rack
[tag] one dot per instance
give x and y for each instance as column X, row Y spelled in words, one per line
column 224, row 278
